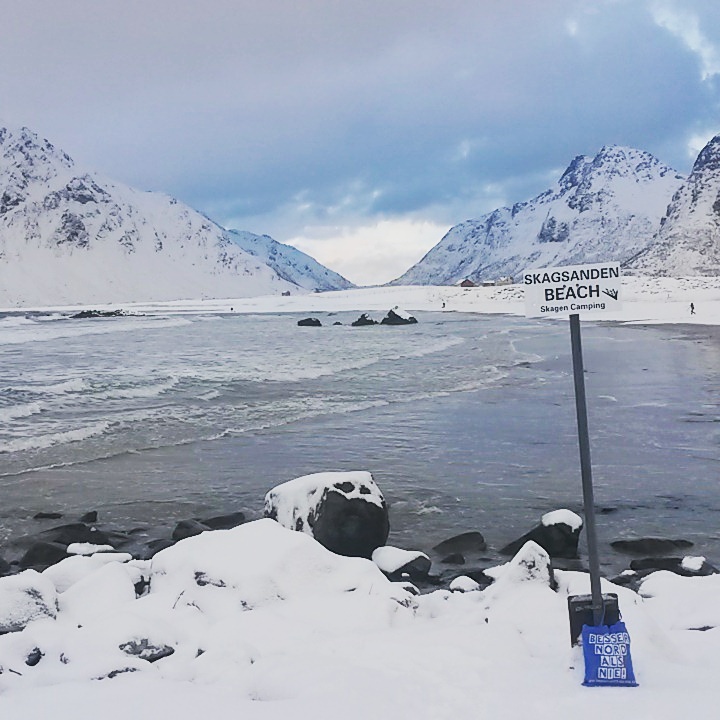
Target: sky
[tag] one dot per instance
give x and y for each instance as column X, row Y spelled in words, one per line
column 359, row 132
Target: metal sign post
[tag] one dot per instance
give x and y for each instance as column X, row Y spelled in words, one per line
column 585, row 468
column 592, row 290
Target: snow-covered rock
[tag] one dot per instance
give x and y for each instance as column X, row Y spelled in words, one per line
column 558, row 533
column 688, row 240
column 70, row 236
column 603, row 208
column 25, row 597
column 395, row 561
column 344, row 511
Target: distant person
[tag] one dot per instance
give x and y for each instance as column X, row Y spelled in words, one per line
column 692, row 308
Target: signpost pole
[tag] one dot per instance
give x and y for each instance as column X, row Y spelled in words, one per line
column 585, row 468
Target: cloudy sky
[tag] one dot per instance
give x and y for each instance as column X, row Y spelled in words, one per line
column 358, row 130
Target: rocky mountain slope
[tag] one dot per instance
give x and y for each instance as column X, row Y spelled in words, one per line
column 688, row 241
column 68, row 236
column 605, row 207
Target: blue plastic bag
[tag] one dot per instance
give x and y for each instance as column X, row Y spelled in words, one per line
column 606, row 650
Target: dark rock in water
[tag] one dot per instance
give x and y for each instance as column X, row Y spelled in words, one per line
column 337, row 322
column 85, row 314
column 454, row 559
column 344, row 511
column 188, row 528
column 679, row 566
column 89, row 517
column 74, row 533
column 468, row 542
column 225, row 522
column 558, row 533
column 398, row 317
column 42, row 555
column 154, row 547
column 364, row 319
column 650, row 546
column 146, row 650
column 5, row 567
column 309, row 322
column 47, row 516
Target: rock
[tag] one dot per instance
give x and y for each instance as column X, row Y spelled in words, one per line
column 687, row 566
column 398, row 317
column 530, row 564
column 146, row 650
column 344, row 511
column 558, row 533
column 47, row 516
column 468, row 542
column 464, row 584
column 85, row 314
column 309, row 322
column 42, row 555
column 89, row 517
column 364, row 319
column 650, row 546
column 25, row 597
column 225, row 522
column 188, row 528
column 400, row 564
column 74, row 533
column 5, row 567
column 453, row 559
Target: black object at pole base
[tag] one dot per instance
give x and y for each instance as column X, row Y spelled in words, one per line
column 580, row 609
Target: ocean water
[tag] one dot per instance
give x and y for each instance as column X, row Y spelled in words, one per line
column 466, row 422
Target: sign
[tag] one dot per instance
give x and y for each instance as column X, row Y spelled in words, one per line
column 606, row 650
column 578, row 289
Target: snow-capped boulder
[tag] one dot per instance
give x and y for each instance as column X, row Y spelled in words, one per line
column 558, row 533
column 531, row 564
column 397, row 563
column 25, row 597
column 363, row 320
column 344, row 511
column 396, row 316
column 464, row 584
column 309, row 322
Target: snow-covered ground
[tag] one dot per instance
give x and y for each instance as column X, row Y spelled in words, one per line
column 264, row 623
column 644, row 300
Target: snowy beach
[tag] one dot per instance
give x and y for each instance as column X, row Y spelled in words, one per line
column 305, row 645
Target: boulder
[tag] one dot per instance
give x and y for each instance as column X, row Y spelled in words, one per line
column 398, row 317
column 89, row 517
column 188, row 528
column 43, row 515
column 364, row 319
column 400, row 564
column 558, row 533
column 650, row 546
column 4, row 567
column 146, row 649
column 465, row 543
column 41, row 555
column 73, row 533
column 309, row 322
column 344, row 511
column 530, row 564
column 687, row 566
column 25, row 597
column 225, row 522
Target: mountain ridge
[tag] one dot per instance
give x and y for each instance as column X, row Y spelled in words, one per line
column 71, row 236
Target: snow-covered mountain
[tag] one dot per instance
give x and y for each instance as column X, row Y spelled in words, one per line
column 603, row 208
column 688, row 241
column 68, row 236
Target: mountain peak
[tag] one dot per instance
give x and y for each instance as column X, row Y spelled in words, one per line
column 709, row 157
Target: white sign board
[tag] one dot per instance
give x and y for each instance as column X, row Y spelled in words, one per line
column 577, row 289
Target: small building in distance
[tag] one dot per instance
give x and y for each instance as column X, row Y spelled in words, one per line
column 467, row 282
